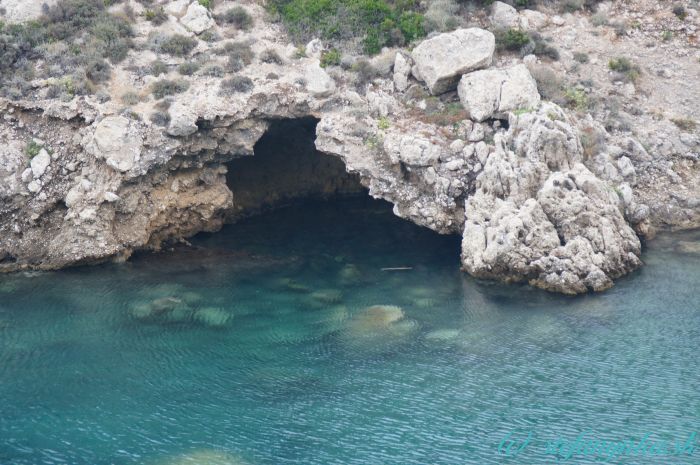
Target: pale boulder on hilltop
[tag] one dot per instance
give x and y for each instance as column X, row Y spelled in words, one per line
column 494, row 92
column 443, row 59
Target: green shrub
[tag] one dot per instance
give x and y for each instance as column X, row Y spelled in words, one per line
column 239, row 17
column 576, row 98
column 178, row 45
column 130, row 98
column 625, row 67
column 214, row 71
column 157, row 16
column 33, row 148
column 685, row 124
column 511, row 39
column 166, row 87
column 377, row 23
column 680, row 12
column 188, row 69
column 157, row 68
column 271, row 56
column 236, row 84
column 240, row 55
column 581, row 57
column 206, row 4
column 98, row 70
column 160, row 118
column 330, row 58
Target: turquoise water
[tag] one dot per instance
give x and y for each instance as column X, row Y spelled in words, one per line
column 258, row 348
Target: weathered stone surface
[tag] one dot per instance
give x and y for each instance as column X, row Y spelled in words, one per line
column 402, row 70
column 318, row 82
column 183, row 120
column 504, row 15
column 39, row 163
column 117, row 141
column 441, row 60
column 16, row 11
column 540, row 215
column 197, row 19
column 493, row 92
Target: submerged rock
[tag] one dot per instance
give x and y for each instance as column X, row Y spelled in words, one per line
column 212, row 317
column 327, row 296
column 375, row 318
column 203, row 457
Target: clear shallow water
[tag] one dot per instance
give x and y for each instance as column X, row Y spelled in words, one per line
column 257, row 349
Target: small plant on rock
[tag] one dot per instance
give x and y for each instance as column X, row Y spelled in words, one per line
column 239, row 17
column 166, row 87
column 680, row 12
column 236, row 84
column 625, row 67
column 33, row 148
column 330, row 58
column 157, row 16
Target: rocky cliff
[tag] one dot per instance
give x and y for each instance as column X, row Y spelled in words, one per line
column 458, row 138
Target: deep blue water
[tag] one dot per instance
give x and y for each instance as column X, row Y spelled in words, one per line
column 258, row 348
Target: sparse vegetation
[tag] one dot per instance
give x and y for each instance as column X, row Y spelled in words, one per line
column 511, row 39
column 271, row 56
column 378, row 23
column 330, row 58
column 177, row 45
column 517, row 40
column 680, row 12
column 206, row 4
column 33, row 148
column 188, row 69
column 239, row 17
column 160, row 118
column 666, row 35
column 73, row 38
column 166, row 87
column 236, row 84
column 130, row 98
column 625, row 69
column 240, row 55
column 157, row 68
column 685, row 124
column 581, row 57
column 214, row 71
column 383, row 123
column 157, row 16
column 576, row 98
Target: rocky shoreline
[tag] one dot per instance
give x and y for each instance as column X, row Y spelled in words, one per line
column 458, row 139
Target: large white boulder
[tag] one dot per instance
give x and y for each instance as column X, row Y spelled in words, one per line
column 197, row 19
column 443, row 59
column 494, row 92
column 183, row 119
column 504, row 15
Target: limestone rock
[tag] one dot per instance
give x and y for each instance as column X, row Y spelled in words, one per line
column 441, row 60
column 504, row 15
column 493, row 92
column 183, row 119
column 39, row 163
column 533, row 20
column 177, row 8
column 197, row 19
column 314, row 49
column 402, row 70
column 412, row 150
column 117, row 142
column 318, row 82
column 539, row 215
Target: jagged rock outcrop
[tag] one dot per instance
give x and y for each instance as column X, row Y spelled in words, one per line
column 104, row 180
column 539, row 214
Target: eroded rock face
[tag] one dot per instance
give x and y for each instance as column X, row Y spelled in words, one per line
column 442, row 60
column 540, row 215
column 528, row 203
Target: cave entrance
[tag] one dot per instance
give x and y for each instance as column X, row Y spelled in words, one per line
column 286, row 167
